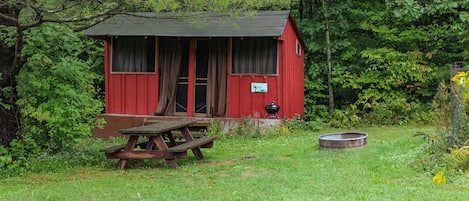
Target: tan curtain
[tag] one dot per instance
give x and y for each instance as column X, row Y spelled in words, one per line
column 217, row 76
column 133, row 54
column 254, row 56
column 170, row 54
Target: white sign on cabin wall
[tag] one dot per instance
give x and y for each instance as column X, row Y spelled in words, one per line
column 259, row 87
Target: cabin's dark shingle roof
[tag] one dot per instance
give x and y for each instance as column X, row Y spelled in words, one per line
column 264, row 23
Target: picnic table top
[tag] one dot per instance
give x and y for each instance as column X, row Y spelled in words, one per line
column 157, row 128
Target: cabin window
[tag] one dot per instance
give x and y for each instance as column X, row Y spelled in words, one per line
column 254, row 56
column 133, row 54
column 298, row 48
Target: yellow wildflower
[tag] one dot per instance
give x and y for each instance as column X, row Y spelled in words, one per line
column 285, row 130
column 439, row 178
column 465, row 84
column 434, row 138
column 458, row 76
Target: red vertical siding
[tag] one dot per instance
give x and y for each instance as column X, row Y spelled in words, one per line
column 243, row 103
column 128, row 93
column 286, row 89
column 107, row 83
column 293, row 84
column 138, row 93
column 191, row 74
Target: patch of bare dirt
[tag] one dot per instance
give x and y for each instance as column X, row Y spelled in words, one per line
column 231, row 161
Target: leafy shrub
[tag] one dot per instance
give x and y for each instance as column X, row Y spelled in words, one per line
column 253, row 128
column 15, row 158
column 215, row 130
column 7, row 35
column 248, row 128
column 345, row 118
column 56, row 89
column 5, row 157
column 299, row 124
column 391, row 86
column 4, row 92
column 83, row 154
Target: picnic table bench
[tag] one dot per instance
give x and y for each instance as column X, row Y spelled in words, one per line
column 158, row 143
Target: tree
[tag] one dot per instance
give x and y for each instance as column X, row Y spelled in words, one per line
column 16, row 19
column 312, row 24
column 329, row 59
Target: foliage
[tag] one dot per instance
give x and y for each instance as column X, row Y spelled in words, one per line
column 446, row 151
column 56, row 89
column 5, row 157
column 456, row 80
column 393, row 95
column 4, row 92
column 228, row 7
column 345, row 118
column 299, row 124
column 7, row 35
column 388, row 57
column 83, row 154
column 462, row 129
column 216, row 130
column 312, row 29
column 459, row 158
column 254, row 128
column 248, row 128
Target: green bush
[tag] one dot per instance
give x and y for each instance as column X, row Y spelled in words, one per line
column 345, row 117
column 390, row 86
column 84, row 154
column 56, row 89
column 216, row 130
column 299, row 124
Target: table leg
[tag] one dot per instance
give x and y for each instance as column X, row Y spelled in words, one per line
column 172, row 141
column 129, row 147
column 161, row 144
column 188, row 136
column 150, row 144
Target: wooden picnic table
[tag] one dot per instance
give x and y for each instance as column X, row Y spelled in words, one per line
column 158, row 143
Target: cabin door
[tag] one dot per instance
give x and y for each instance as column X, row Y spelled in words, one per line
column 193, row 78
column 201, row 87
column 200, row 79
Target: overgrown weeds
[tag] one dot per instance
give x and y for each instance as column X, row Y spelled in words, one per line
column 251, row 127
column 446, row 151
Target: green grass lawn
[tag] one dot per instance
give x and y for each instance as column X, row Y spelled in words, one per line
column 271, row 168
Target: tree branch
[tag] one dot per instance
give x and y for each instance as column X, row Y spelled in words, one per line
column 9, row 19
column 43, row 19
column 86, row 26
column 81, row 19
column 53, row 11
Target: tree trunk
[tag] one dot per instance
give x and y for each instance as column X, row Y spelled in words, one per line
column 9, row 62
column 329, row 59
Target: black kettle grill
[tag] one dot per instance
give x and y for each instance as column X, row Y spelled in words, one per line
column 272, row 110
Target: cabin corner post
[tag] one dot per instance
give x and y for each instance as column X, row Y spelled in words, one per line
column 107, row 72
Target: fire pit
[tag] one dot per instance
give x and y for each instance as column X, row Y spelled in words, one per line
column 342, row 140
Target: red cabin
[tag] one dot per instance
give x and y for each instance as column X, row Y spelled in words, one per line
column 211, row 66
